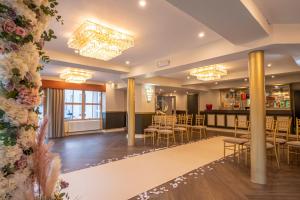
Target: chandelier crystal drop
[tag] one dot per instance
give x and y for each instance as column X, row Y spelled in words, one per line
column 100, row 41
column 75, row 75
column 209, row 73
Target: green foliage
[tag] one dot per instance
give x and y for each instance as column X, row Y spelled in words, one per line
column 8, row 170
column 28, row 152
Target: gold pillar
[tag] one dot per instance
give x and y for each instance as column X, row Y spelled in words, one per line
column 257, row 117
column 131, row 111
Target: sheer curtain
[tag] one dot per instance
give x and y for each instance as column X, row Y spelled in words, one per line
column 55, row 112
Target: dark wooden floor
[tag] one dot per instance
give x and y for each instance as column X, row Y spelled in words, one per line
column 223, row 179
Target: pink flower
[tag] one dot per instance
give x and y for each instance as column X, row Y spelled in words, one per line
column 28, row 96
column 63, row 184
column 9, row 26
column 22, row 163
column 21, row 31
column 2, row 49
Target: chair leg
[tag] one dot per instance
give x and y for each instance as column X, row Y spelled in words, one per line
column 168, row 140
column 239, row 153
column 153, row 138
column 181, row 134
column 276, row 155
column 200, row 134
column 144, row 139
column 224, row 150
column 174, row 140
column 288, row 154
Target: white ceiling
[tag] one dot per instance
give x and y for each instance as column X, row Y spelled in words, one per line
column 159, row 29
column 236, row 66
column 280, row 11
column 163, row 31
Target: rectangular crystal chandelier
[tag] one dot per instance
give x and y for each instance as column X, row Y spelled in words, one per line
column 99, row 41
column 75, row 75
column 209, row 73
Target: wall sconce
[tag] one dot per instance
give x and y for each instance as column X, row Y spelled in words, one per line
column 149, row 91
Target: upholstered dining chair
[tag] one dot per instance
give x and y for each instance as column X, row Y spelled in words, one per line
column 166, row 130
column 292, row 146
column 199, row 127
column 236, row 144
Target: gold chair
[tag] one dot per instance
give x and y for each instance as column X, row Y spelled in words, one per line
column 150, row 132
column 166, row 129
column 233, row 143
column 270, row 147
column 281, row 130
column 270, row 122
column 199, row 127
column 292, row 146
column 182, row 128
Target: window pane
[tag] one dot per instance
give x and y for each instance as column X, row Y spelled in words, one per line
column 96, row 98
column 68, row 112
column 96, row 111
column 88, row 96
column 88, row 112
column 103, row 102
column 68, row 96
column 77, row 110
column 77, row 96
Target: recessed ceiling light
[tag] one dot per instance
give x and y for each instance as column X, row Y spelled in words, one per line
column 127, row 62
column 188, row 77
column 269, row 65
column 142, row 3
column 216, row 83
column 245, row 79
column 272, row 76
column 201, row 34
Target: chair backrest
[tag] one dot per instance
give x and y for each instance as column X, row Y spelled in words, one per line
column 170, row 120
column 284, row 126
column 240, row 124
column 200, row 120
column 270, row 123
column 189, row 120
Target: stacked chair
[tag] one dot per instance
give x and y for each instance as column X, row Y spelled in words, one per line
column 293, row 147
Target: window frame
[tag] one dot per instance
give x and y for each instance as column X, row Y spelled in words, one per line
column 83, row 104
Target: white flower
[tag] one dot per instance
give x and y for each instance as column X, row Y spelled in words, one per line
column 26, row 138
column 16, row 113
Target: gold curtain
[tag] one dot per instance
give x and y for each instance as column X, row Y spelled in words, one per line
column 55, row 112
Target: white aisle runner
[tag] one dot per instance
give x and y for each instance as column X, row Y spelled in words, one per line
column 129, row 177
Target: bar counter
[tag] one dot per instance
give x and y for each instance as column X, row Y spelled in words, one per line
column 225, row 118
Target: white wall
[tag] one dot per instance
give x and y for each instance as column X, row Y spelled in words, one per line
column 210, row 97
column 115, row 99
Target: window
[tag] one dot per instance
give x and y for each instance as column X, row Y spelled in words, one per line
column 82, row 104
column 92, row 105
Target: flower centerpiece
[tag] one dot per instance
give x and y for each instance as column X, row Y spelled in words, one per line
column 28, row 170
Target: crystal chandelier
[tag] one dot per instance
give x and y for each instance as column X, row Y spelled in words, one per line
column 99, row 41
column 75, row 75
column 209, row 73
